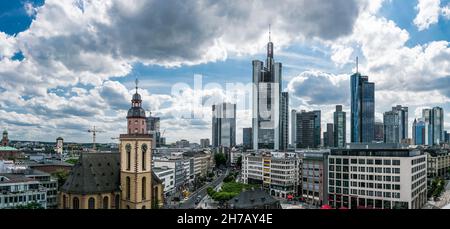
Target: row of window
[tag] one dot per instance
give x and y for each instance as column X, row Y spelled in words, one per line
column 22, row 198
column 144, row 152
column 362, row 161
column 395, row 195
column 345, row 176
column 370, row 185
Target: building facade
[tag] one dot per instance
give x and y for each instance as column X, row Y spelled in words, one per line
column 362, row 118
column 438, row 162
column 278, row 173
column 314, row 176
column 247, row 138
column 420, row 132
column 224, row 125
column 403, row 121
column 308, row 129
column 340, row 127
column 16, row 190
column 391, row 122
column 267, row 99
column 379, row 132
column 284, row 116
column 377, row 178
column 293, row 128
column 328, row 136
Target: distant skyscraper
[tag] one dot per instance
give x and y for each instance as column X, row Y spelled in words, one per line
column 362, row 109
column 308, row 129
column 419, row 132
column 437, row 123
column 247, row 138
column 391, row 127
column 403, row 121
column 267, row 120
column 293, row 128
column 379, row 132
column 224, row 125
column 153, row 128
column 446, row 137
column 284, row 130
column 204, row 143
column 340, row 127
column 328, row 136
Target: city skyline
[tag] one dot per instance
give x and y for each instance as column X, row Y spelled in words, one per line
column 63, row 87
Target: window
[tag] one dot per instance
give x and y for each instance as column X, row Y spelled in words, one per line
column 396, row 162
column 128, row 149
column 64, row 202
column 91, row 203
column 387, row 162
column 76, row 203
column 144, row 152
column 128, row 188
column 144, row 188
column 105, row 202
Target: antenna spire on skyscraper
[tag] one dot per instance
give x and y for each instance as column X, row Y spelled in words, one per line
column 270, row 33
column 357, row 65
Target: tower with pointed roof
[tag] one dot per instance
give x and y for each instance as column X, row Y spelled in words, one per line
column 138, row 191
column 5, row 140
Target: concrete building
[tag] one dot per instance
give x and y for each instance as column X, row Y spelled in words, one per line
column 59, row 146
column 438, row 162
column 276, row 172
column 167, row 177
column 314, row 176
column 234, row 156
column 182, row 144
column 381, row 177
column 204, row 143
column 18, row 190
column 308, row 129
column 328, row 136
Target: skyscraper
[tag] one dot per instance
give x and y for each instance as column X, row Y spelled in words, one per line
column 284, row 130
column 293, row 128
column 247, row 138
column 224, row 125
column 153, row 128
column 419, row 132
column 379, row 132
column 437, row 124
column 308, row 129
column 340, row 127
column 328, row 136
column 403, row 121
column 362, row 109
column 267, row 122
column 391, row 127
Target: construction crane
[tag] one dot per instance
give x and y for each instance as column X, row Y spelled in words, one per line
column 94, row 132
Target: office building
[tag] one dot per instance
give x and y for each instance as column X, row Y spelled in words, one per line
column 379, row 132
column 314, row 176
column 377, row 177
column 328, row 136
column 438, row 162
column 403, row 121
column 17, row 190
column 224, row 125
column 340, row 127
column 284, row 130
column 293, row 128
column 420, row 132
column 434, row 118
column 267, row 108
column 362, row 118
column 247, row 138
column 153, row 128
column 391, row 127
column 308, row 129
column 167, row 177
column 204, row 143
column 276, row 172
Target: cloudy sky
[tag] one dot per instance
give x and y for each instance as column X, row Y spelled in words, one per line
column 67, row 65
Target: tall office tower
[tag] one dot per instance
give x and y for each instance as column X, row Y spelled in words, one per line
column 328, row 136
column 153, row 128
column 426, row 116
column 437, row 124
column 224, row 125
column 266, row 102
column 284, row 130
column 379, row 132
column 247, row 138
column 362, row 109
column 293, row 128
column 340, row 127
column 420, row 131
column 403, row 121
column 308, row 129
column 391, row 127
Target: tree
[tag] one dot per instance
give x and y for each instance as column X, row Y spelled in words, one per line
column 239, row 162
column 61, row 175
column 33, row 205
column 220, row 159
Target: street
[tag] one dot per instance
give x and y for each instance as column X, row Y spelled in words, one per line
column 190, row 202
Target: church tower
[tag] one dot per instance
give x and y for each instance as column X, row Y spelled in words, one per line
column 5, row 140
column 136, row 159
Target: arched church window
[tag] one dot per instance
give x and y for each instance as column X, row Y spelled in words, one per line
column 91, row 203
column 105, row 202
column 76, row 203
column 128, row 152
column 144, row 188
column 128, row 188
column 144, row 154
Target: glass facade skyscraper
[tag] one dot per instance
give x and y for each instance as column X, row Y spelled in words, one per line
column 267, row 109
column 224, row 125
column 391, row 127
column 362, row 109
column 284, row 130
column 403, row 121
column 308, row 129
column 340, row 127
column 434, row 119
column 247, row 138
column 420, row 132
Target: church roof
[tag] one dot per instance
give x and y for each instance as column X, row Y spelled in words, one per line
column 136, row 112
column 94, row 173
